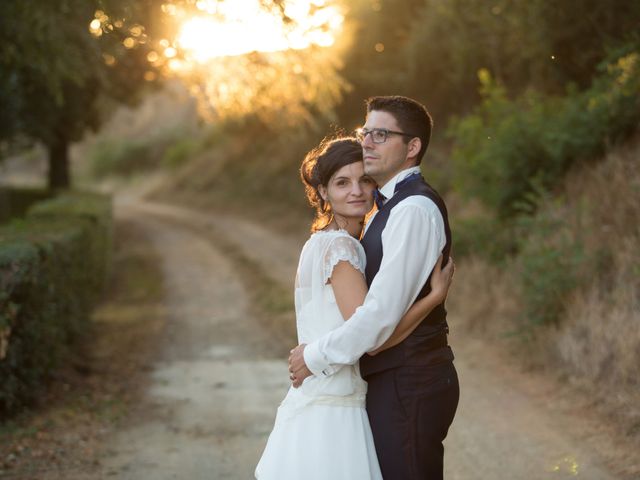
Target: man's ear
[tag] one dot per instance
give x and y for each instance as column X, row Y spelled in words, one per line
column 415, row 144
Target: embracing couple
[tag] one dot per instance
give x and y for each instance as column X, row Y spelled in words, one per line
column 374, row 388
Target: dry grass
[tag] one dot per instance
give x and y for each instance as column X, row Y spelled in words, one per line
column 482, row 299
column 599, row 338
column 596, row 345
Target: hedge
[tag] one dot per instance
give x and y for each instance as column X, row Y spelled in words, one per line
column 14, row 202
column 53, row 267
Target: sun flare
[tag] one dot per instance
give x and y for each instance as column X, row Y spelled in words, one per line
column 243, row 26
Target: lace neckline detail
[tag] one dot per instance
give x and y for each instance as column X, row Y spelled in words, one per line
column 340, row 231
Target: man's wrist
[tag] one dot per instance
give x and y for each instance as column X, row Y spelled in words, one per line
column 316, row 362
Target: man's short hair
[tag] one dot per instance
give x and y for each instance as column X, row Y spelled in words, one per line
column 412, row 117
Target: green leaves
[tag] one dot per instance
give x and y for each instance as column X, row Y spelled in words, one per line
column 53, row 266
column 552, row 263
column 54, row 72
column 506, row 147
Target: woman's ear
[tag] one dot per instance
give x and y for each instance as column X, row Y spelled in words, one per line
column 322, row 190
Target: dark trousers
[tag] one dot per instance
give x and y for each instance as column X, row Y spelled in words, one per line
column 410, row 409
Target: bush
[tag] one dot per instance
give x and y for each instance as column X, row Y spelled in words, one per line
column 122, row 158
column 14, row 202
column 53, row 266
column 551, row 270
column 507, row 148
column 181, row 152
column 96, row 211
column 125, row 157
column 484, row 237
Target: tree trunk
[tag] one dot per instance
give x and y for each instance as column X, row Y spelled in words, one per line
column 59, row 177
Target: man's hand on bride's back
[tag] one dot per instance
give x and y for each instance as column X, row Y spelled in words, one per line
column 298, row 370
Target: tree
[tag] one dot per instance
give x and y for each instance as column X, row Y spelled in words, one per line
column 55, row 75
column 374, row 62
column 532, row 44
column 55, row 78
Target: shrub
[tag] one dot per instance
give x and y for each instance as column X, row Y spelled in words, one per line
column 549, row 274
column 164, row 149
column 52, row 268
column 484, row 237
column 14, row 202
column 94, row 209
column 123, row 158
column 508, row 148
column 180, row 152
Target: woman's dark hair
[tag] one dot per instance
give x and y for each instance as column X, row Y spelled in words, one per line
column 318, row 167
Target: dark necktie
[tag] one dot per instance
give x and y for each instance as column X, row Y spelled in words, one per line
column 379, row 198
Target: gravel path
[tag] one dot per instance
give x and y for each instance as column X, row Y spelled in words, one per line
column 514, row 426
column 217, row 386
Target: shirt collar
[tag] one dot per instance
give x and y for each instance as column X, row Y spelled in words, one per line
column 388, row 189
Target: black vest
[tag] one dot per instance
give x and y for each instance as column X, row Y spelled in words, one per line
column 425, row 344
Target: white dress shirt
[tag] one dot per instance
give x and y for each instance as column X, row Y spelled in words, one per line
column 412, row 241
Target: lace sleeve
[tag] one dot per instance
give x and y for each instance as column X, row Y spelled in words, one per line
column 343, row 248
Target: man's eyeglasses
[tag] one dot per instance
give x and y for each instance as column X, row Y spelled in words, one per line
column 378, row 135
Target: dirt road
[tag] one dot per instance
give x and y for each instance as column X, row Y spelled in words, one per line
column 216, row 388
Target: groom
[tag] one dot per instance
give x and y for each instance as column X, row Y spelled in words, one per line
column 413, row 387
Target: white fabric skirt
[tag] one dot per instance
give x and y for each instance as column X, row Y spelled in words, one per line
column 320, row 438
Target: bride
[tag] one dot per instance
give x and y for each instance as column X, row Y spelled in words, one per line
column 321, row 429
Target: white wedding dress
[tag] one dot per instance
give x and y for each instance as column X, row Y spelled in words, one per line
column 321, row 430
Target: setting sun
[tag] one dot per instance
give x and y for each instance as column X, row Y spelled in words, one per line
column 244, row 26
